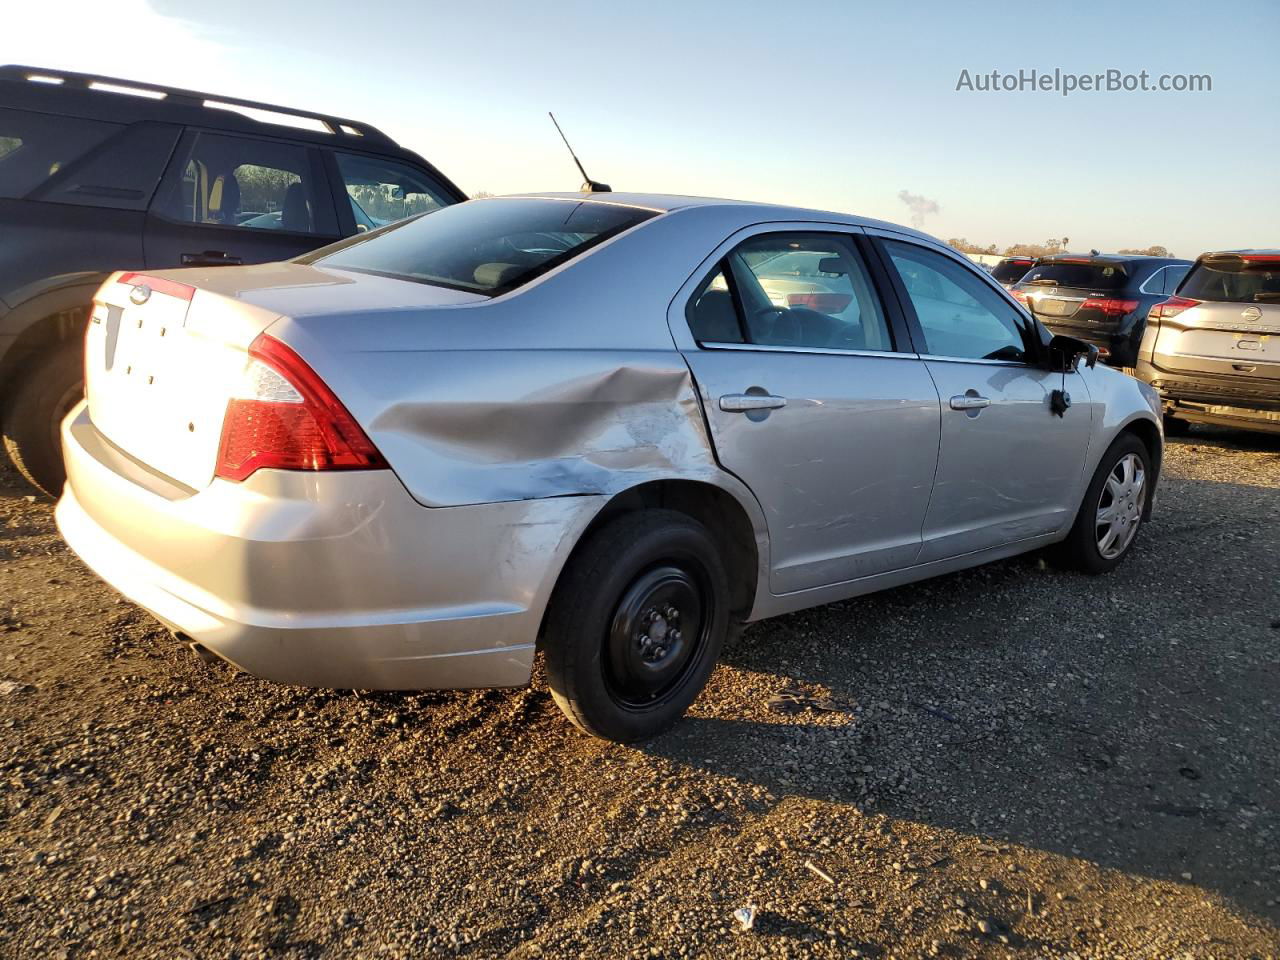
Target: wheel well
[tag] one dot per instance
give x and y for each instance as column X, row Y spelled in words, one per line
column 53, row 330
column 714, row 508
column 1147, row 432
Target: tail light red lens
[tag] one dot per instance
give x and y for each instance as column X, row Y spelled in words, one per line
column 1021, row 297
column 1172, row 307
column 1110, row 307
column 285, row 418
column 822, row 302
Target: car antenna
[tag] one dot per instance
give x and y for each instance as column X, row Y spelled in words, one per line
column 588, row 185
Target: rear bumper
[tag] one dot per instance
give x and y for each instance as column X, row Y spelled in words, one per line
column 326, row 580
column 1208, row 398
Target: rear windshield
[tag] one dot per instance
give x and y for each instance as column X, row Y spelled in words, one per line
column 1234, row 280
column 485, row 246
column 35, row 146
column 1090, row 274
column 1010, row 271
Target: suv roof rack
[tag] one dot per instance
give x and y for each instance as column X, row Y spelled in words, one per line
column 338, row 126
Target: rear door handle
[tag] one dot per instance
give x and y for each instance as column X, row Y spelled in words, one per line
column 210, row 258
column 965, row 402
column 745, row 402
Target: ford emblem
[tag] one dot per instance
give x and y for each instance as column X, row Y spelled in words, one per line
column 140, row 294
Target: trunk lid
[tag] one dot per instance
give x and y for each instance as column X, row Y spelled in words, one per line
column 1229, row 339
column 161, row 365
column 1083, row 291
column 161, row 360
column 1233, row 328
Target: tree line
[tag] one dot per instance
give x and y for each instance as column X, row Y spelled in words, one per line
column 1044, row 249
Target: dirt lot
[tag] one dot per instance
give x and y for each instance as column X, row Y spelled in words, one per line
column 1010, row 761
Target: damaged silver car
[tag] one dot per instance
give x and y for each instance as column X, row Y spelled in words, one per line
column 605, row 426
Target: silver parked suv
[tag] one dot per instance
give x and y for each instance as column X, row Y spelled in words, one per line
column 605, row 425
column 1213, row 350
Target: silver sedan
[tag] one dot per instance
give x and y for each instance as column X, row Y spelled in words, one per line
column 604, row 426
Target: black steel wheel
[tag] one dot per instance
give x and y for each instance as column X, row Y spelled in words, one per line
column 636, row 624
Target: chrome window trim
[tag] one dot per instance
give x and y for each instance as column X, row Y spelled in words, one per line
column 987, row 363
column 832, row 351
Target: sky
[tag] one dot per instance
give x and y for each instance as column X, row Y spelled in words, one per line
column 837, row 104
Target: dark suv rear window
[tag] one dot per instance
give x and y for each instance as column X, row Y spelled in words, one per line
column 35, row 146
column 1010, row 271
column 1234, row 279
column 485, row 246
column 1089, row 274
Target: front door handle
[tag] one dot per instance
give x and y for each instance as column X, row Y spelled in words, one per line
column 746, row 402
column 969, row 402
column 210, row 258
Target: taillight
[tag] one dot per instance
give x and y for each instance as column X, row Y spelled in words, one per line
column 822, row 302
column 1021, row 297
column 1110, row 307
column 1172, row 307
column 284, row 417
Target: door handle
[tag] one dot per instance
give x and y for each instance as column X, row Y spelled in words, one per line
column 968, row 402
column 210, row 258
column 745, row 402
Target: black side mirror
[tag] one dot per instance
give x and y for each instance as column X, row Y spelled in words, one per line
column 1065, row 352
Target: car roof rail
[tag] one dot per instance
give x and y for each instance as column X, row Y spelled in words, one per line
column 351, row 130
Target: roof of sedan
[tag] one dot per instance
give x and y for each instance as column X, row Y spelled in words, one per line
column 668, row 203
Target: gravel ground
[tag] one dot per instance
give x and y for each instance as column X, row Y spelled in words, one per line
column 1012, row 761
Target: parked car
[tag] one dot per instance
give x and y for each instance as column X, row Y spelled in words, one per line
column 1213, row 349
column 1011, row 269
column 580, row 422
column 99, row 174
column 1100, row 298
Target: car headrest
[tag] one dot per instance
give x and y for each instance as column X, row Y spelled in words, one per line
column 832, row 265
column 491, row 275
column 229, row 199
column 714, row 318
column 294, row 215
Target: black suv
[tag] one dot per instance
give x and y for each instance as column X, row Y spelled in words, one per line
column 100, row 174
column 1101, row 298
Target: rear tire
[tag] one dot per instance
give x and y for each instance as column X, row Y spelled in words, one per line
column 1111, row 515
column 636, row 624
column 33, row 415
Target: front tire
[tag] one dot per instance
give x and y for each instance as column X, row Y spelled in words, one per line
column 636, row 624
column 34, row 413
column 1111, row 515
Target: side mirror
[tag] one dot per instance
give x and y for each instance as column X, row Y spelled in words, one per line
column 1065, row 352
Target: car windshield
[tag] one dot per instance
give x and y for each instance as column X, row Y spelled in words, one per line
column 1234, row 279
column 1089, row 274
column 486, row 246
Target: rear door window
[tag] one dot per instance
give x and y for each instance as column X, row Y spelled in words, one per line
column 1086, row 274
column 383, row 191
column 1235, row 278
column 249, row 184
column 35, row 146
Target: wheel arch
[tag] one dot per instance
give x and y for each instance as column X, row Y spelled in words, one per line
column 1153, row 439
column 51, row 318
column 732, row 516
